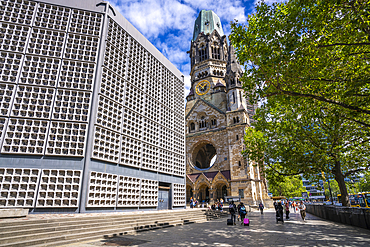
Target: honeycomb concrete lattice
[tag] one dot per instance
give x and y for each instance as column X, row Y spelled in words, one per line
column 89, row 109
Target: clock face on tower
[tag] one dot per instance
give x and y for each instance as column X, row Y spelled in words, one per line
column 202, row 87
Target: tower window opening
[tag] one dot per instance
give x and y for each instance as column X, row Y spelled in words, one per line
column 236, row 120
column 237, row 137
column 202, row 54
column 240, row 164
column 215, row 52
column 232, row 82
column 213, row 122
column 192, row 127
column 202, row 123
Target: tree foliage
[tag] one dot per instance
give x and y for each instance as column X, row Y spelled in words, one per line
column 317, row 49
column 365, row 182
column 290, row 186
column 334, row 189
column 304, row 138
column 308, row 63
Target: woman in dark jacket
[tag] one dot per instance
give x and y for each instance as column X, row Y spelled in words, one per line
column 279, row 212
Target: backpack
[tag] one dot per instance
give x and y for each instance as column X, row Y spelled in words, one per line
column 243, row 210
column 231, row 208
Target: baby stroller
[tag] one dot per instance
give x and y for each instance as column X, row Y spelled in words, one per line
column 279, row 216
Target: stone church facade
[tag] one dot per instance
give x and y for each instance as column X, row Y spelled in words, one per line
column 216, row 117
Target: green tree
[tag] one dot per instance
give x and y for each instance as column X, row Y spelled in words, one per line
column 334, row 189
column 365, row 182
column 307, row 61
column 304, row 138
column 290, row 186
column 316, row 49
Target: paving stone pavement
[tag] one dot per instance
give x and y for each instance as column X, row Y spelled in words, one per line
column 263, row 231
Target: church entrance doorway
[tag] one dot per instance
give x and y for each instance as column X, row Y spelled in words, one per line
column 221, row 191
column 203, row 193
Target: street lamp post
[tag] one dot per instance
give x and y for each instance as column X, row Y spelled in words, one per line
column 331, row 195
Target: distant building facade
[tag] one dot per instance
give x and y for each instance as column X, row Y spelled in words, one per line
column 314, row 193
column 217, row 115
column 92, row 114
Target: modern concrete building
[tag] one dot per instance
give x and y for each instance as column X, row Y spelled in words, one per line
column 91, row 113
column 217, row 115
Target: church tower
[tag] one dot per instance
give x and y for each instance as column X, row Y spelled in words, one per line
column 217, row 115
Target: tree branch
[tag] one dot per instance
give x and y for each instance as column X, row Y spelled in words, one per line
column 357, row 121
column 354, row 171
column 335, row 44
column 323, row 99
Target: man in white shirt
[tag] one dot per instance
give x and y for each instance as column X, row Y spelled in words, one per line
column 302, row 209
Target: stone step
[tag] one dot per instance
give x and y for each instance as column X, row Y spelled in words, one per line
column 64, row 232
column 82, row 220
column 76, row 224
column 66, row 219
column 31, row 240
column 52, row 227
column 69, row 239
column 67, row 230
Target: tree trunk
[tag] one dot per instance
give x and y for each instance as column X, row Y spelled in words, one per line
column 342, row 185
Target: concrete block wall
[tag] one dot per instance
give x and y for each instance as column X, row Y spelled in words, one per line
column 85, row 99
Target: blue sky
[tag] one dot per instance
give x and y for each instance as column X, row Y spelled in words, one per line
column 168, row 24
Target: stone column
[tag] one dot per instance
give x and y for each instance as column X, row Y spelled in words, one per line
column 222, row 53
column 196, row 194
column 209, row 52
column 212, row 195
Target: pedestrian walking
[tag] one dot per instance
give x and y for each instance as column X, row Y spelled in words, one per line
column 243, row 212
column 238, row 208
column 302, row 209
column 287, row 211
column 232, row 210
column 279, row 212
column 261, row 207
column 191, row 202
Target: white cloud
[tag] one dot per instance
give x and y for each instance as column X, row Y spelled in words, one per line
column 169, row 24
column 187, row 84
column 154, row 18
column 270, row 2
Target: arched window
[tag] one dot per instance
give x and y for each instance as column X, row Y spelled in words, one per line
column 192, row 126
column 213, row 122
column 215, row 51
column 202, row 53
column 202, row 123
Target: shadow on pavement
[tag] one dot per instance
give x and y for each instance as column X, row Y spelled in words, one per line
column 119, row 241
